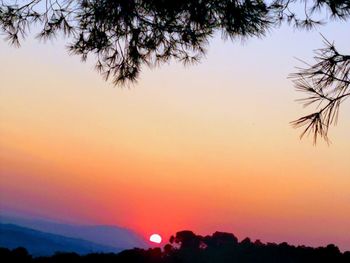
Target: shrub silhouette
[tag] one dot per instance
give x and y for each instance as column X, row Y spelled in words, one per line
column 186, row 246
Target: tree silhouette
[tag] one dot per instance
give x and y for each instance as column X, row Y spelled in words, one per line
column 326, row 84
column 219, row 248
column 124, row 35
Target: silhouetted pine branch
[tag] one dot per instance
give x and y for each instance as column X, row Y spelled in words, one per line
column 326, row 85
column 124, row 35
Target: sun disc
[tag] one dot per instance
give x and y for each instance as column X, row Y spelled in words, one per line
column 155, row 238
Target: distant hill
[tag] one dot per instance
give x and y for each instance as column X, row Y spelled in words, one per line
column 112, row 236
column 45, row 244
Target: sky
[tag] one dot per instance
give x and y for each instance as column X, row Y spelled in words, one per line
column 207, row 147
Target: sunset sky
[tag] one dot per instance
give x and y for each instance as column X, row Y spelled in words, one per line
column 206, row 147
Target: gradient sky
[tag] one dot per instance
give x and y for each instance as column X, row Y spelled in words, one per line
column 206, row 147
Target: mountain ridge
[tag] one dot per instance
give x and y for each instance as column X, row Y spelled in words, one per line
column 112, row 236
column 40, row 243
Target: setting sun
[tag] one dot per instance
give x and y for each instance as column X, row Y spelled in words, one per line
column 155, row 238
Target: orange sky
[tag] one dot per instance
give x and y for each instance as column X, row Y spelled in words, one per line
column 205, row 148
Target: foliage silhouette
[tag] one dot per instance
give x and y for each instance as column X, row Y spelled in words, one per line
column 189, row 247
column 124, row 35
column 327, row 85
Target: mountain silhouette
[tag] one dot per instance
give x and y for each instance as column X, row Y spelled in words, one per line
column 112, row 236
column 45, row 244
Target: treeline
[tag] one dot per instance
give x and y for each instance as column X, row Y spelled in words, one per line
column 188, row 247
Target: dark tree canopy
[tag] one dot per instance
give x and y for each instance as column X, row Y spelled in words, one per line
column 187, row 247
column 124, row 35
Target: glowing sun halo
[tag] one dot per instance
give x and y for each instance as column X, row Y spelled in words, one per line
column 155, row 238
